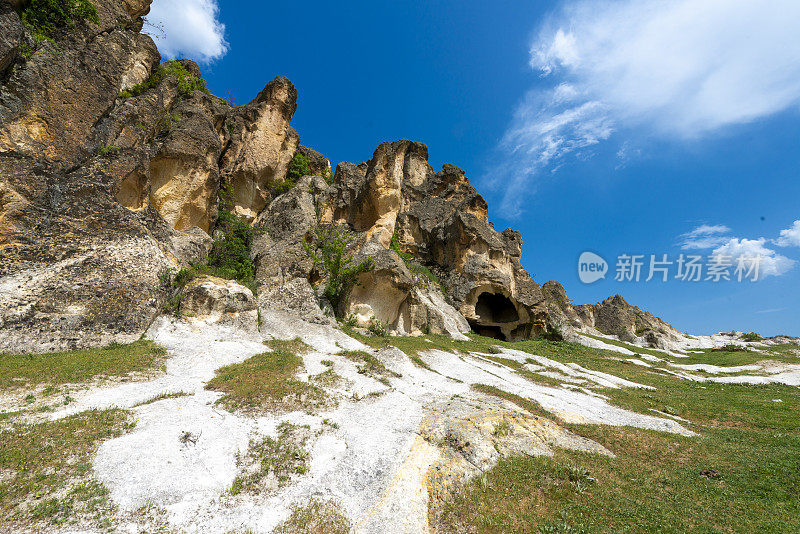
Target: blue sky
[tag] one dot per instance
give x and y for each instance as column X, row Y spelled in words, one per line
column 628, row 127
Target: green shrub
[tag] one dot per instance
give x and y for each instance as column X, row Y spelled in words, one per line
column 230, row 253
column 229, row 256
column 553, row 333
column 107, row 150
column 227, row 197
column 298, row 168
column 166, row 122
column 187, row 83
column 335, row 264
column 43, row 17
column 394, row 244
column 378, row 328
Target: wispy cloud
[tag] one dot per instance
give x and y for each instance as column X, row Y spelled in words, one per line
column 704, row 236
column 680, row 69
column 790, row 237
column 772, row 310
column 188, row 28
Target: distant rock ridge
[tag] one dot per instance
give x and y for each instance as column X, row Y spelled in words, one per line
column 111, row 175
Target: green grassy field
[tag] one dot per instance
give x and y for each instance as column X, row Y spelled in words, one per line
column 654, row 484
column 72, row 367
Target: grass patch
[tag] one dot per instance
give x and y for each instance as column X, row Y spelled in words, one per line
column 654, row 484
column 786, row 349
column 526, row 404
column 327, row 378
column 115, row 360
column 46, row 468
column 369, row 365
column 316, row 517
column 280, row 458
column 267, row 382
column 163, row 396
column 729, row 357
column 634, row 348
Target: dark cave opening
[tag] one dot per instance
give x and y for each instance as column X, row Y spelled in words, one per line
column 487, row 331
column 495, row 308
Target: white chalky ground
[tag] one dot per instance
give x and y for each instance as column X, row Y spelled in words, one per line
column 373, row 464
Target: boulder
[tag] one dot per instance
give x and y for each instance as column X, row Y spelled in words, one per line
column 278, row 250
column 216, row 300
column 296, row 297
column 379, row 294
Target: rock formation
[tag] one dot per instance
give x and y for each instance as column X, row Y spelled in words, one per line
column 614, row 317
column 112, row 166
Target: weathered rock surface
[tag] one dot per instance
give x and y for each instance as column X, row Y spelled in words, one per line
column 100, row 195
column 317, row 163
column 217, row 300
column 614, row 316
column 11, row 33
column 441, row 220
column 76, row 267
column 262, row 146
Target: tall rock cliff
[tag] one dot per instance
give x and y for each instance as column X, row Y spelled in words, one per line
column 112, row 166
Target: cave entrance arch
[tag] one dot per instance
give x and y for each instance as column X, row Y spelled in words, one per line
column 495, row 308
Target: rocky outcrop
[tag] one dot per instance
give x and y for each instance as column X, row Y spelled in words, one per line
column 262, row 146
column 112, row 166
column 614, row 316
column 76, row 267
column 442, row 222
column 11, row 34
column 104, row 186
column 318, row 164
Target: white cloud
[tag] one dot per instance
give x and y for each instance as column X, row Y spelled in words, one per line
column 705, row 236
column 771, row 263
column 188, row 28
column 790, row 237
column 679, row 69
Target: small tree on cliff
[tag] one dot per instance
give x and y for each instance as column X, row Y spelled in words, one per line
column 330, row 256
